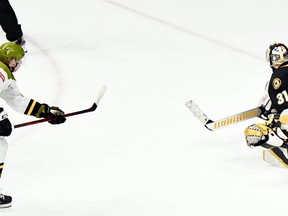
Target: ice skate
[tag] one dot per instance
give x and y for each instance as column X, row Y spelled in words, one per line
column 5, row 201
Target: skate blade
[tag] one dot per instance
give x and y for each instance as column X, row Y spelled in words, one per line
column 8, row 205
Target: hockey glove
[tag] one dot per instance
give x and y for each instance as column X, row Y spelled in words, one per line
column 5, row 124
column 267, row 111
column 56, row 114
column 266, row 135
column 20, row 41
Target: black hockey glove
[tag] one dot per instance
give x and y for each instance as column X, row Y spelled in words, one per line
column 264, row 113
column 5, row 124
column 20, row 41
column 268, row 112
column 56, row 114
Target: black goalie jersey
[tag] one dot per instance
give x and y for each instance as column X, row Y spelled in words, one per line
column 278, row 88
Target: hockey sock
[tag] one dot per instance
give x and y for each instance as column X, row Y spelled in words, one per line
column 1, row 168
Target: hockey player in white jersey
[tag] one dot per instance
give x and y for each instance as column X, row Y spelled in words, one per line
column 11, row 55
column 273, row 134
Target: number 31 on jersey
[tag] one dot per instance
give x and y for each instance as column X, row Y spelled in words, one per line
column 282, row 97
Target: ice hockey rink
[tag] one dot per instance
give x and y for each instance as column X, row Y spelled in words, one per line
column 142, row 153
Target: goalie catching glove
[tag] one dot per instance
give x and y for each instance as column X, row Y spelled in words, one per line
column 266, row 135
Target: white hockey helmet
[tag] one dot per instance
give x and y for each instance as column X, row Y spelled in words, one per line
column 277, row 54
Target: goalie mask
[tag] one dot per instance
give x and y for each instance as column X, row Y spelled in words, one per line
column 277, row 54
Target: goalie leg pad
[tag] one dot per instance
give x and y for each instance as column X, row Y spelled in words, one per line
column 276, row 157
column 274, row 139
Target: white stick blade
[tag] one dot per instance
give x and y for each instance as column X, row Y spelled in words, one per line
column 197, row 112
column 100, row 94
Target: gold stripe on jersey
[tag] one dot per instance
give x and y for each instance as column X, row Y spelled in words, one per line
column 34, row 108
column 31, row 107
column 1, row 168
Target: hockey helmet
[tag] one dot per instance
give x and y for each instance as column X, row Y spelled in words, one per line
column 9, row 51
column 277, row 54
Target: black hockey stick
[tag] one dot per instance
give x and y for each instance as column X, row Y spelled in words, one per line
column 214, row 125
column 91, row 109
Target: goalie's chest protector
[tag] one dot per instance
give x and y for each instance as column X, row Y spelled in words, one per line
column 278, row 88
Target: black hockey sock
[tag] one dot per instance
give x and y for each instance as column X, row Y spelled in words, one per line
column 1, row 168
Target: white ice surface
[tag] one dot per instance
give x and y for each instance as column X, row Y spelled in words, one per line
column 142, row 153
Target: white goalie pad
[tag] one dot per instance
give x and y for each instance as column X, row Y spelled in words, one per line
column 270, row 157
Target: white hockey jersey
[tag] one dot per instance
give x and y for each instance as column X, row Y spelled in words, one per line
column 10, row 93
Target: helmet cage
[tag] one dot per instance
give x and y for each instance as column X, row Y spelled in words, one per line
column 277, row 54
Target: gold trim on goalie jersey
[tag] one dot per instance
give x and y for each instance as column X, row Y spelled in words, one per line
column 276, row 83
column 284, row 119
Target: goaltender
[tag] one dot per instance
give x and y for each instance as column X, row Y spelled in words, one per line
column 273, row 134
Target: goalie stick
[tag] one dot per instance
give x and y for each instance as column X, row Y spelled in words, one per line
column 91, row 109
column 215, row 125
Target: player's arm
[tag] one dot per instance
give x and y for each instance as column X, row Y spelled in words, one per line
column 39, row 110
column 9, row 23
column 27, row 106
column 265, row 105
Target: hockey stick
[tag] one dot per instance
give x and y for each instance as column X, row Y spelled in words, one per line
column 91, row 109
column 214, row 125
